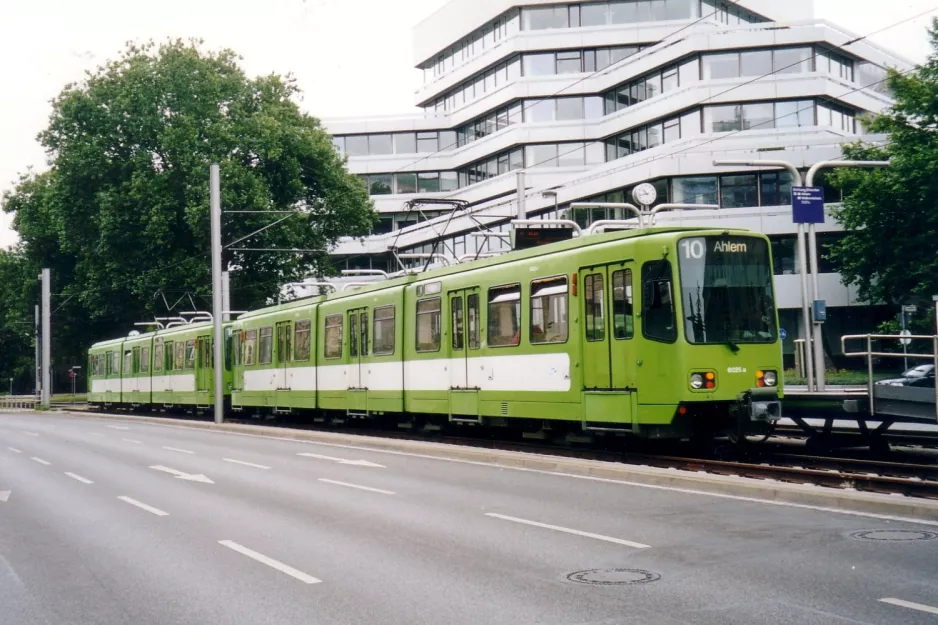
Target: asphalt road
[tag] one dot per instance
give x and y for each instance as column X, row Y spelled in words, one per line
column 116, row 522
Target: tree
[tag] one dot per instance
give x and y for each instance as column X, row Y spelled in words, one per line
column 16, row 321
column 890, row 250
column 122, row 214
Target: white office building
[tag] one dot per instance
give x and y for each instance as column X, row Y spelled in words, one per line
column 589, row 99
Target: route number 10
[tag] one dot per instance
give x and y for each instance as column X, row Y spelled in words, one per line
column 693, row 248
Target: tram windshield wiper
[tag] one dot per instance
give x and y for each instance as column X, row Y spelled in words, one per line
column 733, row 346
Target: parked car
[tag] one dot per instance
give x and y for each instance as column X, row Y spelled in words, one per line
column 922, row 375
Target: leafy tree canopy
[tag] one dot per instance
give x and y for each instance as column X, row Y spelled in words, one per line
column 122, row 214
column 890, row 250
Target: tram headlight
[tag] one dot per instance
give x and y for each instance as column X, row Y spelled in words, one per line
column 770, row 378
column 696, row 380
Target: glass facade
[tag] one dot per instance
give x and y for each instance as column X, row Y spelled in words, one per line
column 631, row 12
column 472, row 45
column 395, row 143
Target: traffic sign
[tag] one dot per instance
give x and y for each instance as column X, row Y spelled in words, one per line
column 807, row 205
column 911, row 309
column 905, row 333
column 71, row 374
column 783, row 333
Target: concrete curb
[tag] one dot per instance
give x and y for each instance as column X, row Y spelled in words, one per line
column 846, row 501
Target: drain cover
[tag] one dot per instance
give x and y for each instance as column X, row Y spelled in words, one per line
column 895, row 535
column 613, row 577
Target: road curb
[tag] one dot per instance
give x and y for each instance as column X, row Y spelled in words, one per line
column 766, row 491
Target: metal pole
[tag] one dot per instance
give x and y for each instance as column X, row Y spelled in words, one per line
column 522, row 210
column 215, row 184
column 226, row 295
column 905, row 348
column 46, row 338
column 38, row 367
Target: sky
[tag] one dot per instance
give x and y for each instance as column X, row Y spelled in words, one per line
column 350, row 57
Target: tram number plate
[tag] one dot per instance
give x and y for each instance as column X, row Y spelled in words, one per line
column 736, row 369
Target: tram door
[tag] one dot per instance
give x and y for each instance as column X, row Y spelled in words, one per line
column 204, row 377
column 464, row 361
column 284, row 349
column 357, row 393
column 609, row 359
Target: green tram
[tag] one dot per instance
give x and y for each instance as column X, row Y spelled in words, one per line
column 657, row 332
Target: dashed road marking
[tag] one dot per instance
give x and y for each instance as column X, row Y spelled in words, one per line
column 608, row 539
column 31, row 433
column 280, row 566
column 921, row 607
column 118, row 427
column 81, row 479
column 40, row 460
column 143, row 506
column 130, row 440
column 14, row 450
column 247, row 464
column 368, row 488
column 182, row 451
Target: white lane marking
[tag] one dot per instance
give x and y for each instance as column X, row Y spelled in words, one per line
column 79, row 478
column 98, row 434
column 280, row 566
column 144, row 506
column 360, row 463
column 247, row 464
column 608, row 539
column 130, row 440
column 40, row 460
column 368, row 488
column 605, row 480
column 118, row 427
column 182, row 451
column 4, row 495
column 14, row 450
column 31, row 433
column 192, row 477
column 921, row 607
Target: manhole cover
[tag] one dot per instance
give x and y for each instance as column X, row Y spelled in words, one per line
column 895, row 535
column 613, row 577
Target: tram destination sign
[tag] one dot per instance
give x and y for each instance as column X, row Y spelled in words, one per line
column 526, row 238
column 807, row 205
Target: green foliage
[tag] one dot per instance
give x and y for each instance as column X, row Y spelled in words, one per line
column 122, row 215
column 16, row 321
column 890, row 250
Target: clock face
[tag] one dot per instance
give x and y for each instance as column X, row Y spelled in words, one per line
column 645, row 194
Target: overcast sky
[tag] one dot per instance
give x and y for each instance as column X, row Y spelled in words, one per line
column 350, row 57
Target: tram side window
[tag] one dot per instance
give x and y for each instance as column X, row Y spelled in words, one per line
column 594, row 292
column 364, row 333
column 179, row 362
column 658, row 321
column 169, row 356
column 283, row 342
column 136, row 360
column 623, row 316
column 301, row 340
column 115, row 363
column 237, row 344
column 504, row 316
column 353, row 335
column 384, row 331
column 128, row 363
column 267, row 345
column 144, row 360
column 250, row 347
column 333, row 337
column 456, row 309
column 158, row 356
column 428, row 325
column 472, row 304
column 190, row 354
column 549, row 311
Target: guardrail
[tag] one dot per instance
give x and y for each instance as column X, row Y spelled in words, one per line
column 18, row 403
column 869, row 353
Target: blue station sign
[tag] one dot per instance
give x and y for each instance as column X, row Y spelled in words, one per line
column 807, row 205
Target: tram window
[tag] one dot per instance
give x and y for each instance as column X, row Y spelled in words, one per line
column 623, row 317
column 333, row 337
column 301, row 340
column 384, row 330
column 179, row 360
column 144, row 360
column 136, row 360
column 594, row 292
column 169, row 356
column 128, row 363
column 190, row 354
column 250, row 347
column 229, row 344
column 472, row 304
column 428, row 325
column 549, row 311
column 266, row 355
column 158, row 355
column 353, row 335
column 283, row 342
column 457, row 328
column 658, row 322
column 364, row 333
column 504, row 316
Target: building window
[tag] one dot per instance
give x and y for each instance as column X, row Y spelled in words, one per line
column 406, row 183
column 543, row 18
column 332, row 347
column 379, row 184
column 694, row 190
column 758, row 116
column 405, row 143
column 717, row 66
column 569, row 62
column 738, row 191
column 428, row 325
column 794, row 114
column 793, row 60
column 380, row 144
column 427, row 142
column 549, row 311
column 504, row 316
column 428, row 182
column 539, row 64
column 356, row 145
column 775, row 188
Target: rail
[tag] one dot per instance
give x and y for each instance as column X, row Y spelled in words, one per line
column 870, row 353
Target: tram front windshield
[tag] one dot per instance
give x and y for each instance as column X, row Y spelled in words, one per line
column 726, row 289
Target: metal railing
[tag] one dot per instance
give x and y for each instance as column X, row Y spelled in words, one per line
column 870, row 354
column 18, row 403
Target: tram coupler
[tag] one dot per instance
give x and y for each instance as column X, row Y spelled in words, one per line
column 760, row 405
